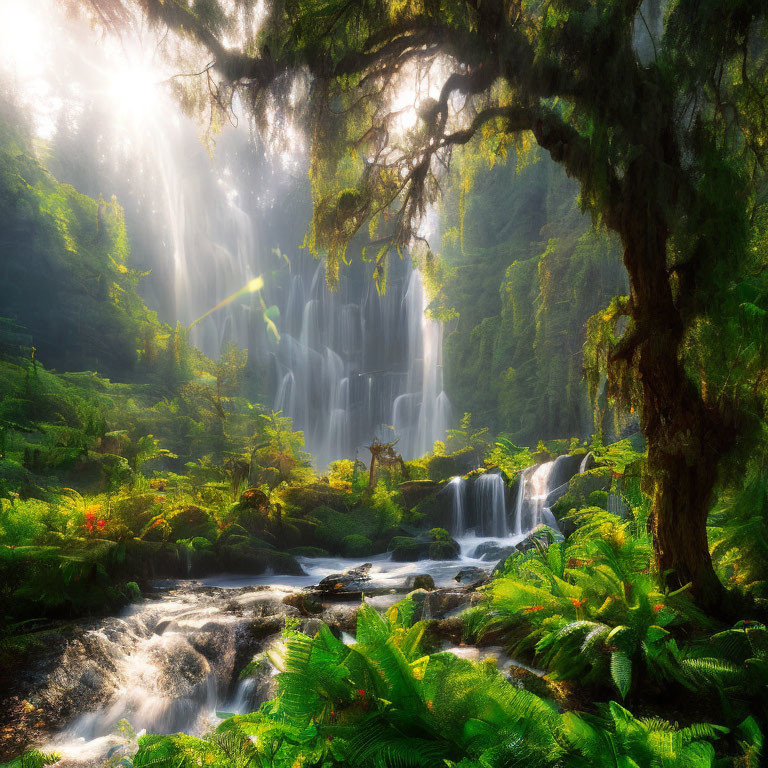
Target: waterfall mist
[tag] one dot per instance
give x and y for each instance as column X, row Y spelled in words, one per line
column 345, row 365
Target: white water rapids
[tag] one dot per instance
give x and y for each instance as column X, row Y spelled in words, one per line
column 171, row 664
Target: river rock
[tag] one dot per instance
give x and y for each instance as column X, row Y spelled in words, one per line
column 490, row 550
column 419, row 581
column 439, row 604
column 304, row 602
column 472, row 576
column 192, row 522
column 352, row 580
column 435, row 544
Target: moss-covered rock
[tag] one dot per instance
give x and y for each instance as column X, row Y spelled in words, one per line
column 437, row 544
column 283, row 563
column 253, row 519
column 443, row 550
column 306, row 499
column 579, row 495
column 406, row 549
column 420, row 581
column 191, row 522
column 434, row 510
column 458, row 463
column 242, row 558
column 234, row 530
column 413, row 492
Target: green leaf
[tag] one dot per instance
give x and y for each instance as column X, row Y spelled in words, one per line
column 621, row 672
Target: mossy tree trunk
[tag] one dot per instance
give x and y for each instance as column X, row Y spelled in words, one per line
column 687, row 437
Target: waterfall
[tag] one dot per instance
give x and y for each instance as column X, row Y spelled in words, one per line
column 518, row 531
column 456, row 486
column 490, row 505
column 354, row 364
column 536, row 492
column 349, row 365
column 584, row 462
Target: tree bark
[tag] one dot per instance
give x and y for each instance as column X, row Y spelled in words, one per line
column 686, row 438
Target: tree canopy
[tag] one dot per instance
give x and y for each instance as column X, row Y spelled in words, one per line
column 657, row 108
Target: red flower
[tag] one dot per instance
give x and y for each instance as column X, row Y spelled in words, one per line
column 75, row 578
column 102, row 523
column 658, row 607
column 361, row 693
column 533, row 609
column 578, row 603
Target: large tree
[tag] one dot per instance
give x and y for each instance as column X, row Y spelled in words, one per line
column 658, row 109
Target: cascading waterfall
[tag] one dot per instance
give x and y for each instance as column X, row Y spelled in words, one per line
column 164, row 667
column 354, row 364
column 539, row 487
column 490, row 503
column 349, row 365
column 456, row 488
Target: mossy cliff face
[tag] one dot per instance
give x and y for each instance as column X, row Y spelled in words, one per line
column 521, row 272
column 63, row 266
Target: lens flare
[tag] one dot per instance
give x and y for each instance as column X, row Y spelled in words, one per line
column 252, row 286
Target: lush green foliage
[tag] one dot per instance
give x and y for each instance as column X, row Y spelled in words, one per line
column 521, row 304
column 380, row 701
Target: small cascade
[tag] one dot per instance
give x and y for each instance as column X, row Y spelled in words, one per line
column 241, row 702
column 585, row 462
column 165, row 667
column 456, row 488
column 536, row 493
column 489, row 497
column 539, row 493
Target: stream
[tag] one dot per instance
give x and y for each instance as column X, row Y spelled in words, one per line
column 172, row 662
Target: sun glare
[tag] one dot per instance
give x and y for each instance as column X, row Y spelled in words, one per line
column 133, row 90
column 22, row 39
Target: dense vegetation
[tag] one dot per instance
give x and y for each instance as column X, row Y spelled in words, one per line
column 635, row 113
column 516, row 283
column 642, row 629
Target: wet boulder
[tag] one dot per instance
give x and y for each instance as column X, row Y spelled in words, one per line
column 420, row 581
column 442, row 546
column 304, row 602
column 472, row 576
column 283, row 563
column 352, row 580
column 438, row 604
column 406, row 549
column 437, row 544
column 491, row 550
column 443, row 550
